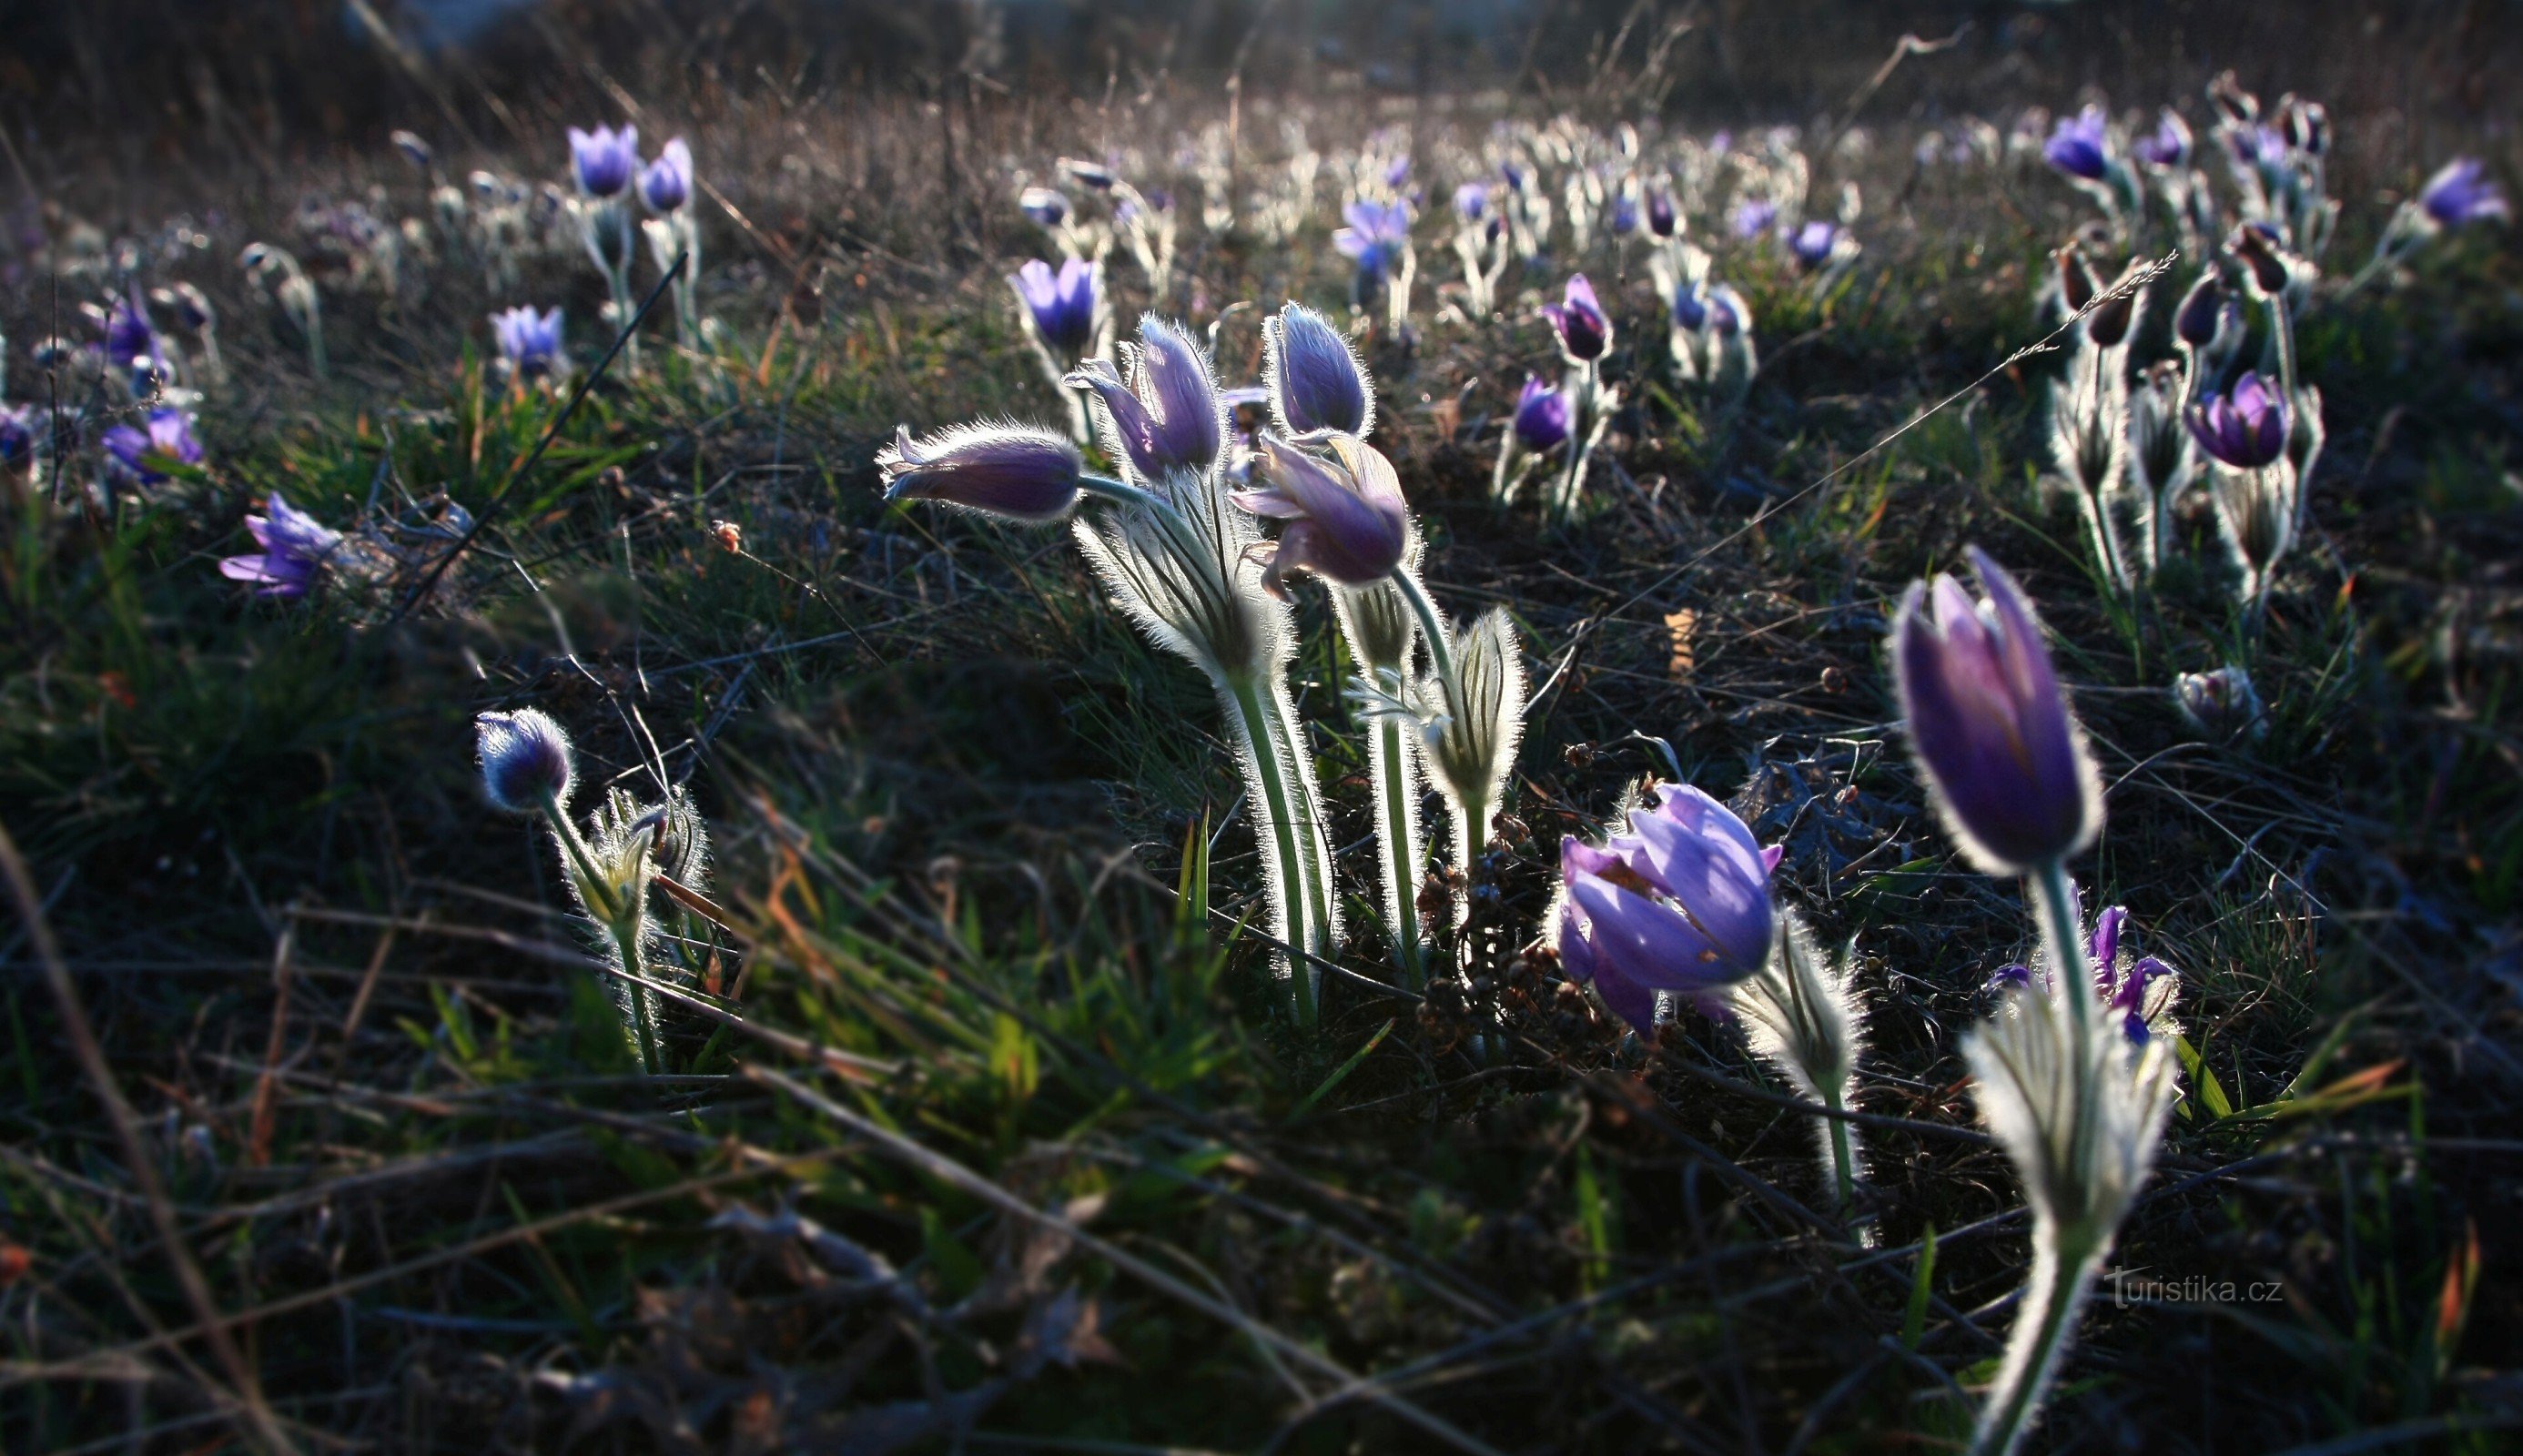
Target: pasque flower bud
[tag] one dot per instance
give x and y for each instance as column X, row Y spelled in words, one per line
column 2002, row 750
column 526, row 760
column 1002, row 470
column 1314, row 378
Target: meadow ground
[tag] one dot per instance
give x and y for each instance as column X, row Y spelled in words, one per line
column 982, row 1127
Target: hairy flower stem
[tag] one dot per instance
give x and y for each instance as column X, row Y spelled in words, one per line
column 2064, row 1265
column 1265, row 721
column 621, row 922
column 1843, row 1158
column 2063, row 939
column 1397, row 848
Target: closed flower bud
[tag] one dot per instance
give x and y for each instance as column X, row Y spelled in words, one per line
column 1585, row 331
column 2077, row 284
column 1540, row 417
column 1167, row 415
column 2220, row 704
column 2109, row 325
column 1315, row 381
column 2264, row 259
column 2202, row 313
column 526, row 760
column 1990, row 722
column 1015, row 470
column 667, row 182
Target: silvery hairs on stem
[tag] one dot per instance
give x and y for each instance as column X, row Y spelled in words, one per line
column 2080, row 1115
column 1470, row 753
column 1802, row 1016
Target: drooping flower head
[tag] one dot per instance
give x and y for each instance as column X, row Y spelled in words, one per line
column 2245, row 428
column 1472, row 200
column 666, row 183
column 1584, row 330
column 1346, row 518
column 1164, row 413
column 605, row 160
column 1313, row 375
column 1062, row 304
column 1016, row 471
column 2002, row 750
column 1540, row 420
column 526, row 760
column 295, row 547
column 2461, row 192
column 414, row 150
column 529, row 343
column 1678, row 903
column 133, row 453
column 2079, row 145
column 1375, row 236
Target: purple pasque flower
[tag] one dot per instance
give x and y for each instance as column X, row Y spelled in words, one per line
column 1625, row 212
column 2138, row 990
column 2459, row 193
column 1166, row 412
column 1375, row 236
column 2246, row 427
column 1814, row 244
column 605, row 160
column 295, row 547
column 19, row 424
column 1016, row 471
column 1664, row 220
column 1728, row 313
column 666, row 183
column 2201, row 316
column 2078, row 145
column 1584, row 330
column 1689, row 307
column 1753, row 218
column 1045, row 207
column 130, row 336
column 1472, row 200
column 1990, row 724
column 1060, row 304
column 2168, row 145
column 529, row 343
column 1540, row 420
column 1678, row 903
column 131, row 450
column 1315, row 381
column 527, row 764
column 1347, row 519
